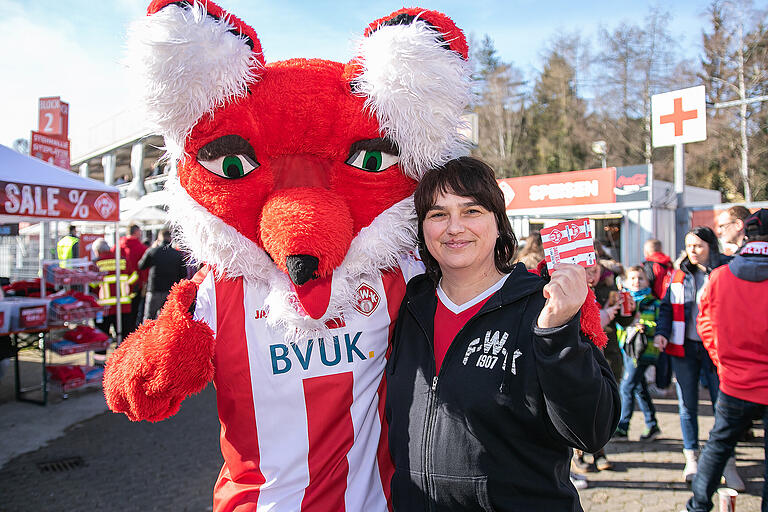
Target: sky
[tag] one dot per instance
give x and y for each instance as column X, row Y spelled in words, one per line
column 74, row 48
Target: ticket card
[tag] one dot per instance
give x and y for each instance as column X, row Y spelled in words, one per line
column 569, row 242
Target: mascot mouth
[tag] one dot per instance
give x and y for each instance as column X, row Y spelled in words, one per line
column 314, row 292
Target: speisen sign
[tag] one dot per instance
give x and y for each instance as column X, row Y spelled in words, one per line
column 593, row 186
column 679, row 117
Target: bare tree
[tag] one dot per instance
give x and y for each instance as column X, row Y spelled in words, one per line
column 737, row 47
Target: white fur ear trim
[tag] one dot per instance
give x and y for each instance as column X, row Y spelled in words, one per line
column 187, row 64
column 418, row 91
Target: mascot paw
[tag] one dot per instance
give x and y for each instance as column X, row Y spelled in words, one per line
column 162, row 362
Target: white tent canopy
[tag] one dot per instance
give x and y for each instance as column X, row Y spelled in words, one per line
column 33, row 190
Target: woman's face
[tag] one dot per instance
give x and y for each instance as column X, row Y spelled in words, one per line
column 460, row 234
column 697, row 249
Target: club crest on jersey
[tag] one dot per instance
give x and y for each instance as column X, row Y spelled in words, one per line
column 491, row 349
column 366, row 299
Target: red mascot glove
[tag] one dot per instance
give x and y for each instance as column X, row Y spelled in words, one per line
column 162, row 362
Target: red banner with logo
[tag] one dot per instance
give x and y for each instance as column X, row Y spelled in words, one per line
column 58, row 202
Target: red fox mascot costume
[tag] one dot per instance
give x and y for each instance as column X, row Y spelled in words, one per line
column 293, row 185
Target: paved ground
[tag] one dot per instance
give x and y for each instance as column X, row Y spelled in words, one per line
column 172, row 465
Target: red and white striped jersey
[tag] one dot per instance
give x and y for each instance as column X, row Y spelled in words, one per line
column 302, row 425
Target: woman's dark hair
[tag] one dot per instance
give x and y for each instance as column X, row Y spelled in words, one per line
column 706, row 234
column 465, row 177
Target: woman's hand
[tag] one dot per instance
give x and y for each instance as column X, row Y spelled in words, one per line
column 565, row 294
column 660, row 342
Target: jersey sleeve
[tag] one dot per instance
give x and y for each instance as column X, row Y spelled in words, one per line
column 205, row 302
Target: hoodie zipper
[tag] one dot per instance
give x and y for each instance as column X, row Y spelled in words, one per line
column 429, row 417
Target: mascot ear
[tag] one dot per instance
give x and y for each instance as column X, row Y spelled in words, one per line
column 412, row 67
column 191, row 58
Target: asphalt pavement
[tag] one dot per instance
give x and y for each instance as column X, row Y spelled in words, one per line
column 73, row 455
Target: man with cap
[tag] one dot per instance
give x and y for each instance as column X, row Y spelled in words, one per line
column 733, row 326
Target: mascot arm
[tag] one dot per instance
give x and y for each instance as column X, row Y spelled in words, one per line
column 162, row 362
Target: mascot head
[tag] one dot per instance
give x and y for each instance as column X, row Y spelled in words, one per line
column 299, row 173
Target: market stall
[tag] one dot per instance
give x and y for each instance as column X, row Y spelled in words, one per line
column 34, row 191
column 625, row 204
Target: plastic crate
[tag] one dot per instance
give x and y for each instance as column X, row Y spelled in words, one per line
column 66, row 347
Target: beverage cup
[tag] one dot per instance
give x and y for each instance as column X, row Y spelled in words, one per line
column 626, row 303
column 727, row 499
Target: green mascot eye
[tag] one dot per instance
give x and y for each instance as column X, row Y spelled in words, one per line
column 231, row 167
column 372, row 160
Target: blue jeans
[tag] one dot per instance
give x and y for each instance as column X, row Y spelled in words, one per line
column 688, row 369
column 633, row 385
column 732, row 415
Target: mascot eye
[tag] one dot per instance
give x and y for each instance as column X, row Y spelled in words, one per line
column 372, row 160
column 230, row 166
column 230, row 157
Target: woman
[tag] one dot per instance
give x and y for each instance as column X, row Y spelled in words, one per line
column 490, row 381
column 676, row 335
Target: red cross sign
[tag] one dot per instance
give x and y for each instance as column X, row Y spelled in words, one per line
column 678, row 117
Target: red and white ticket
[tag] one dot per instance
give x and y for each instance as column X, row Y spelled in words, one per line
column 569, row 242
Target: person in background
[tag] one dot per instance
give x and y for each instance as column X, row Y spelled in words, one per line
column 491, row 379
column 68, row 247
column 104, row 257
column 132, row 248
column 657, row 266
column 733, row 325
column 730, row 228
column 532, row 252
column 166, row 268
column 659, row 270
column 633, row 384
column 603, row 284
column 676, row 334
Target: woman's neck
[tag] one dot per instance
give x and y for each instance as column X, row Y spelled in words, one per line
column 462, row 287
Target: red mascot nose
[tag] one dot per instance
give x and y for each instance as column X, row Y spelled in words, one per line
column 306, row 222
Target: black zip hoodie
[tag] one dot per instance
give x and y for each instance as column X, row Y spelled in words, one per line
column 493, row 430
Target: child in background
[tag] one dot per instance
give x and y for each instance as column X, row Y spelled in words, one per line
column 633, row 384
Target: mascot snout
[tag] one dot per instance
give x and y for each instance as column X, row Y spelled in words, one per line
column 306, row 227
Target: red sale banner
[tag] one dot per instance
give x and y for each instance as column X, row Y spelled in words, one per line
column 58, row 202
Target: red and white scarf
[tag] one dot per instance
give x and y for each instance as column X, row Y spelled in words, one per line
column 677, row 298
